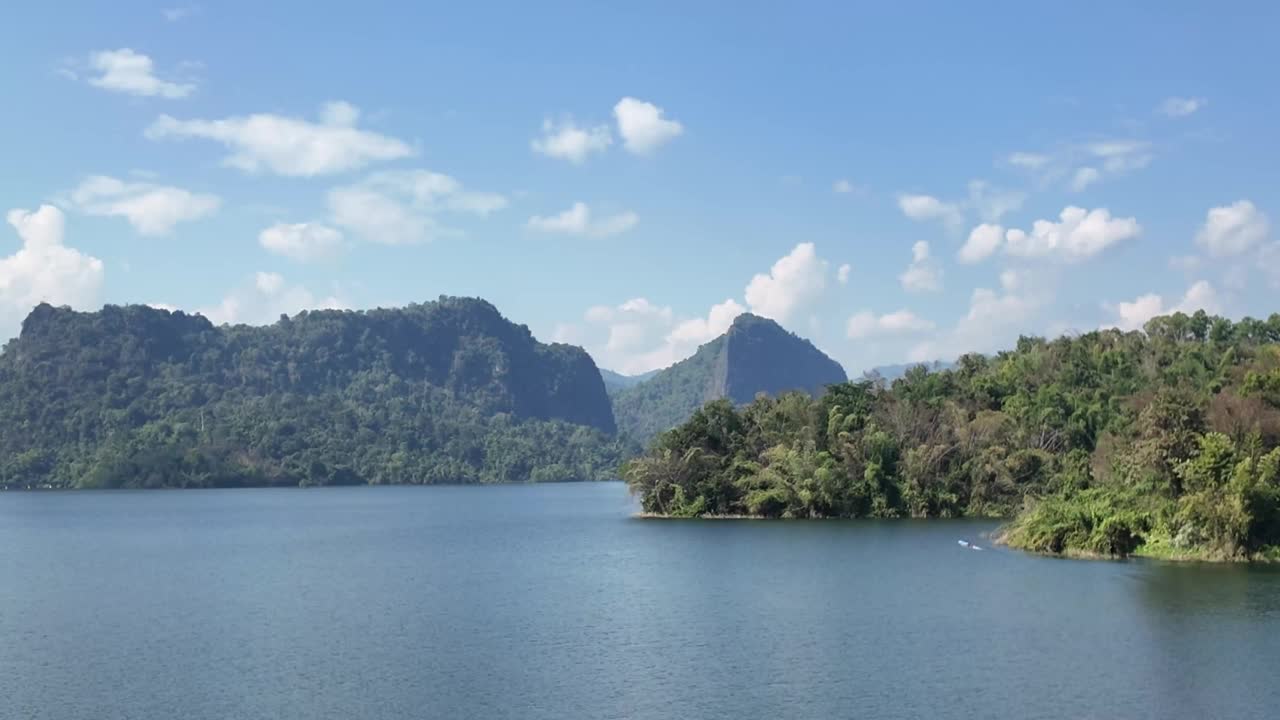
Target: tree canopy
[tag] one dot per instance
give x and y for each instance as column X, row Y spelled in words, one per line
column 448, row 391
column 1163, row 441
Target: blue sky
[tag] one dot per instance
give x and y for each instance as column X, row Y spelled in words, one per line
column 630, row 179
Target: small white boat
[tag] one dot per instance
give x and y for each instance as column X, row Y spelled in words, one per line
column 963, row 543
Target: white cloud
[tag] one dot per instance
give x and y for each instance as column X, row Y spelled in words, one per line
column 1080, row 165
column 44, row 269
column 1133, row 315
column 643, row 127
column 902, row 322
column 150, row 209
column 638, row 336
column 1079, row 234
column 436, row 191
column 993, row 321
column 131, row 72
column 569, row 142
column 381, row 219
column 983, row 240
column 927, row 207
column 1030, row 161
column 795, row 280
column 1269, row 262
column 844, row 187
column 577, row 220
column 992, row 203
column 301, row 241
column 1233, row 229
column 1121, row 156
column 842, row 273
column 264, row 300
column 400, row 207
column 174, row 14
column 923, row 274
column 700, row 330
column 288, row 145
column 1181, row 106
column 1084, row 177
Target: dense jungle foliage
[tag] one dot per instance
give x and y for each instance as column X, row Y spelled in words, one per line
column 448, row 391
column 1163, row 442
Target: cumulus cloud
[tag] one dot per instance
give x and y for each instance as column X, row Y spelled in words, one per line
column 696, row 331
column 923, row 274
column 643, row 127
column 842, row 273
column 994, row 319
column 567, row 141
column 150, row 209
column 578, row 220
column 1233, row 229
column 264, row 298
column 638, row 335
column 983, row 240
column 927, row 207
column 1269, row 262
column 902, row 322
column 131, row 72
column 288, row 145
column 1078, row 235
column 43, row 269
column 401, row 207
column 1133, row 315
column 795, row 281
column 301, row 241
column 1181, row 106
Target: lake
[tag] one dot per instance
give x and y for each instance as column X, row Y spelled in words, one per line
column 553, row 602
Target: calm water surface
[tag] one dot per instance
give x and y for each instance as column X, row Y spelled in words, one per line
column 552, row 602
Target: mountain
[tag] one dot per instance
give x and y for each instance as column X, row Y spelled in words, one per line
column 447, row 391
column 615, row 381
column 755, row 355
column 889, row 373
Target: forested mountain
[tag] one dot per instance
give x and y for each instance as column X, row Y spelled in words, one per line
column 755, row 355
column 1164, row 442
column 615, row 381
column 448, row 391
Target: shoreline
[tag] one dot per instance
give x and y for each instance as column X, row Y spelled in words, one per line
column 999, row 537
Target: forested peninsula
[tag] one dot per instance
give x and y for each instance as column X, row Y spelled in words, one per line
column 1160, row 443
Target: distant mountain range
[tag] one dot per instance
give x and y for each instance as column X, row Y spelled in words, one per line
column 615, row 381
column 889, row 373
column 756, row 355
